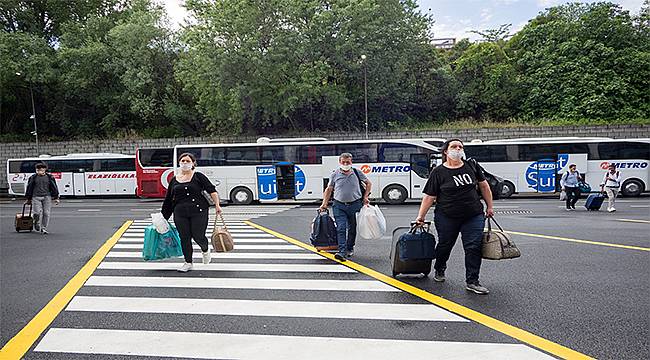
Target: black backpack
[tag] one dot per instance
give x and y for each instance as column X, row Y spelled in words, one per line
column 323, row 233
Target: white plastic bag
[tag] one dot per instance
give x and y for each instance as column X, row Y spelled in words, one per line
column 371, row 223
column 562, row 195
column 159, row 222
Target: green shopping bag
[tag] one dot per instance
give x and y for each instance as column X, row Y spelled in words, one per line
column 159, row 246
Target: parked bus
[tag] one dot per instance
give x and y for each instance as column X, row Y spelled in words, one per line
column 535, row 165
column 153, row 170
column 78, row 174
column 269, row 171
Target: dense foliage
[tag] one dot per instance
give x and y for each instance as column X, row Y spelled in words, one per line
column 106, row 68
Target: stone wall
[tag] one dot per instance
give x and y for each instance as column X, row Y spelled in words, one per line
column 25, row 149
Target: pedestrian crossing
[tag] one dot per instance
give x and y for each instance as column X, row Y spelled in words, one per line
column 268, row 299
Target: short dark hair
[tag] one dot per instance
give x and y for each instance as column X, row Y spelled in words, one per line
column 189, row 155
column 572, row 165
column 41, row 165
column 445, row 146
column 612, row 166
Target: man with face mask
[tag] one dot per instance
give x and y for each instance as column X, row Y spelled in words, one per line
column 349, row 196
column 41, row 190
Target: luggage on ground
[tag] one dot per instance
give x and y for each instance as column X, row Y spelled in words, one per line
column 221, row 238
column 594, row 202
column 323, row 232
column 412, row 249
column 497, row 244
column 25, row 221
column 159, row 246
column 371, row 223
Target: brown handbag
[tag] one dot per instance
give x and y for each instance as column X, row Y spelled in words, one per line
column 497, row 244
column 221, row 238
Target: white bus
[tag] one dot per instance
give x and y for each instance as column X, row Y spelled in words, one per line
column 270, row 171
column 78, row 174
column 536, row 164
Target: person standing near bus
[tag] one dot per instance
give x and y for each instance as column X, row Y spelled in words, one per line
column 190, row 208
column 452, row 187
column 611, row 184
column 569, row 183
column 349, row 196
column 41, row 190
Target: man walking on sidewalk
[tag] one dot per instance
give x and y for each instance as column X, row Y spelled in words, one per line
column 347, row 185
column 41, row 190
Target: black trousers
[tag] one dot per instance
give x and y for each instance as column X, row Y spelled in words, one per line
column 572, row 196
column 191, row 226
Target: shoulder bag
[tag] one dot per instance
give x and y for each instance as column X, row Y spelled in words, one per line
column 497, row 244
column 221, row 238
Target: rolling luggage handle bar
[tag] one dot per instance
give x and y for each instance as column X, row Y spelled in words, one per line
column 30, row 209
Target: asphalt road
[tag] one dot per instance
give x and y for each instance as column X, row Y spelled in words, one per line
column 589, row 297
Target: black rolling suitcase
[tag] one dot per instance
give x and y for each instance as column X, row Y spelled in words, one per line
column 25, row 222
column 412, row 250
column 594, row 202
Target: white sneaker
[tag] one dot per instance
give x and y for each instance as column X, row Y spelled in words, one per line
column 206, row 257
column 185, row 268
column 44, row 231
column 611, row 209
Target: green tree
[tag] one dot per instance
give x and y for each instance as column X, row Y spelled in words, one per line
column 584, row 61
column 257, row 65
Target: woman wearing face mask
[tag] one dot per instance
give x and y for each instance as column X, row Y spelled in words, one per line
column 190, row 208
column 452, row 187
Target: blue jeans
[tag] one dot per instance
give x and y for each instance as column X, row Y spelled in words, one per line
column 471, row 230
column 346, row 224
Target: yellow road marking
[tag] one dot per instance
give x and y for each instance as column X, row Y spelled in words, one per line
column 635, row 221
column 23, row 341
column 629, row 247
column 514, row 332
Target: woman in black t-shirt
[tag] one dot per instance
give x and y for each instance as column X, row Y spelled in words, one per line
column 190, row 208
column 452, row 187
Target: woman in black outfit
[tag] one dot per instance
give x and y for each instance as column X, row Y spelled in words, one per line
column 190, row 208
column 452, row 187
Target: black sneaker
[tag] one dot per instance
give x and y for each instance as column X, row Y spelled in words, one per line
column 350, row 253
column 439, row 276
column 339, row 256
column 477, row 289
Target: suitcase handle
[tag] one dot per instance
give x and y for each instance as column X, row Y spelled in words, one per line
column 30, row 209
column 415, row 226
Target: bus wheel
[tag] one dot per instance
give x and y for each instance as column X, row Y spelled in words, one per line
column 507, row 190
column 394, row 194
column 632, row 187
column 241, row 196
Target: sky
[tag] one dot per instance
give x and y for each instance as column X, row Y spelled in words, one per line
column 456, row 18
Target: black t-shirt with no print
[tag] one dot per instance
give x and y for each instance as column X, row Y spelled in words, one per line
column 455, row 190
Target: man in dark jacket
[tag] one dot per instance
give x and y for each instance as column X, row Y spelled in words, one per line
column 41, row 190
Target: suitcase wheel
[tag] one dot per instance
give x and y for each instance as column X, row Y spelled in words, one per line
column 17, row 229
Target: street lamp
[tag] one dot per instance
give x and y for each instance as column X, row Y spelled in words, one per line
column 365, row 90
column 33, row 116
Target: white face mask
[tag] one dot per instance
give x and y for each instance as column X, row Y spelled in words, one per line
column 346, row 167
column 456, row 154
column 186, row 166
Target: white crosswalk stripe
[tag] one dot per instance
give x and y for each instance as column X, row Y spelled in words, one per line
column 264, row 347
column 265, row 277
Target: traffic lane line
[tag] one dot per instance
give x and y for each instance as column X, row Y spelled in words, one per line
column 634, row 221
column 628, row 247
column 23, row 341
column 492, row 323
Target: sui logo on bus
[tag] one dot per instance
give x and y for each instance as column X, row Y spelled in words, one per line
column 267, row 187
column 540, row 175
